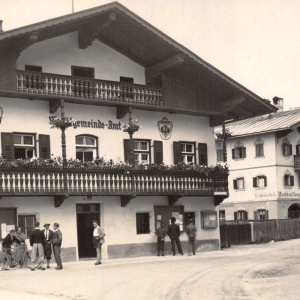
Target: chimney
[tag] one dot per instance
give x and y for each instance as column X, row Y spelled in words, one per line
column 278, row 102
column 1, row 30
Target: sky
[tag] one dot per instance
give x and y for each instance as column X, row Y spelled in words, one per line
column 254, row 42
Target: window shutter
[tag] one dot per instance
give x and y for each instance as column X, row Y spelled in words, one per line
column 262, row 150
column 177, row 152
column 235, row 215
column 283, row 149
column 44, row 146
column 255, row 215
column 291, row 149
column 246, row 215
column 285, row 181
column 266, row 215
column 7, row 140
column 244, row 152
column 158, row 152
column 235, row 184
column 297, row 149
column 126, row 150
column 254, row 181
column 202, row 151
column 257, row 150
column 292, row 180
column 233, row 153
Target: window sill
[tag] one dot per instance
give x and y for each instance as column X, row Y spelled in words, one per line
column 237, row 159
column 240, row 190
column 288, row 187
column 261, row 188
column 259, row 157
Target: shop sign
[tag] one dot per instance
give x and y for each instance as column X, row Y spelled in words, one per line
column 288, row 194
column 226, row 205
column 265, row 195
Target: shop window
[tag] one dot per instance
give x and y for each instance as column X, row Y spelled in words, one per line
column 186, row 152
column 142, row 223
column 261, row 215
column 222, row 216
column 163, row 214
column 33, row 68
column 288, row 180
column 86, row 147
column 83, row 72
column 24, row 146
column 220, row 156
column 241, row 215
column 287, row 149
column 126, row 79
column 209, row 219
column 239, row 184
column 259, row 181
column 189, row 216
column 26, row 222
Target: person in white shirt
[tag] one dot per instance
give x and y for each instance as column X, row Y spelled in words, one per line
column 47, row 244
column 98, row 239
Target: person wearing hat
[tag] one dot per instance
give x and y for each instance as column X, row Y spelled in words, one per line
column 191, row 233
column 56, row 244
column 37, row 240
column 47, row 245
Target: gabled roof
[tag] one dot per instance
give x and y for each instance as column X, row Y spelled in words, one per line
column 289, row 119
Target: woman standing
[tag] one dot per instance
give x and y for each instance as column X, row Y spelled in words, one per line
column 21, row 237
column 98, row 238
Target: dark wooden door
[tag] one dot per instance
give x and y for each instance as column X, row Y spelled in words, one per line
column 8, row 216
column 86, row 214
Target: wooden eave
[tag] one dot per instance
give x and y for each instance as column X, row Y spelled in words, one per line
column 143, row 43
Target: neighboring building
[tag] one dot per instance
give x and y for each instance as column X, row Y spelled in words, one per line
column 103, row 63
column 264, row 162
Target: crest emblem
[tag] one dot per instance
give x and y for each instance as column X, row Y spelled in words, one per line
column 165, row 128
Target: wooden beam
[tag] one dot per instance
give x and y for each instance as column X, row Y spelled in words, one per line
column 219, row 199
column 25, row 43
column 53, row 106
column 125, row 199
column 122, row 111
column 88, row 34
column 158, row 69
column 173, row 199
column 59, row 199
column 231, row 104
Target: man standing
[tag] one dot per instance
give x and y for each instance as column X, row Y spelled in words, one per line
column 6, row 244
column 37, row 239
column 174, row 234
column 161, row 233
column 47, row 246
column 56, row 243
column 191, row 233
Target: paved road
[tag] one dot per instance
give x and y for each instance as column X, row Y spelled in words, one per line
column 269, row 271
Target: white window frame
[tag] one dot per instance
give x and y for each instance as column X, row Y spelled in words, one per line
column 223, row 217
column 139, row 152
column 27, row 147
column 86, row 148
column 220, row 154
column 238, row 180
column 185, row 154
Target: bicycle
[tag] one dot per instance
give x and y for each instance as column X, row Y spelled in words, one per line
column 7, row 260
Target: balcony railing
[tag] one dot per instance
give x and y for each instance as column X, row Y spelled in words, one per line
column 297, row 163
column 109, row 182
column 102, row 90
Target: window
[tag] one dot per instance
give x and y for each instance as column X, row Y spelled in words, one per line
column 239, row 152
column 23, row 146
column 27, row 224
column 86, row 147
column 288, row 180
column 239, row 184
column 209, row 219
column 261, row 215
column 259, row 181
column 287, row 149
column 241, row 215
column 142, row 223
column 259, row 150
column 126, row 79
column 33, row 68
column 83, row 72
column 188, row 153
column 141, row 151
column 220, row 156
column 189, row 216
column 222, row 215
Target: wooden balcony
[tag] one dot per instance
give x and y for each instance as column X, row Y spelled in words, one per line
column 110, row 182
column 62, row 86
column 297, row 163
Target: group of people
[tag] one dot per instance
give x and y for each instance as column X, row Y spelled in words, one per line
column 42, row 242
column 173, row 232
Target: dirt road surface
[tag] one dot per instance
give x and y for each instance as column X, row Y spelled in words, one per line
column 268, row 271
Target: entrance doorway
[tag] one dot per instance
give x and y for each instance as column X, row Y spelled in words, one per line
column 294, row 211
column 163, row 214
column 86, row 213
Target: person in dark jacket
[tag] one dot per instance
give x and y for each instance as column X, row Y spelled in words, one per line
column 37, row 240
column 191, row 233
column 161, row 233
column 174, row 234
column 56, row 244
column 47, row 246
column 6, row 244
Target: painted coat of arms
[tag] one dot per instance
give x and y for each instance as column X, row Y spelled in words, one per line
column 165, row 128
